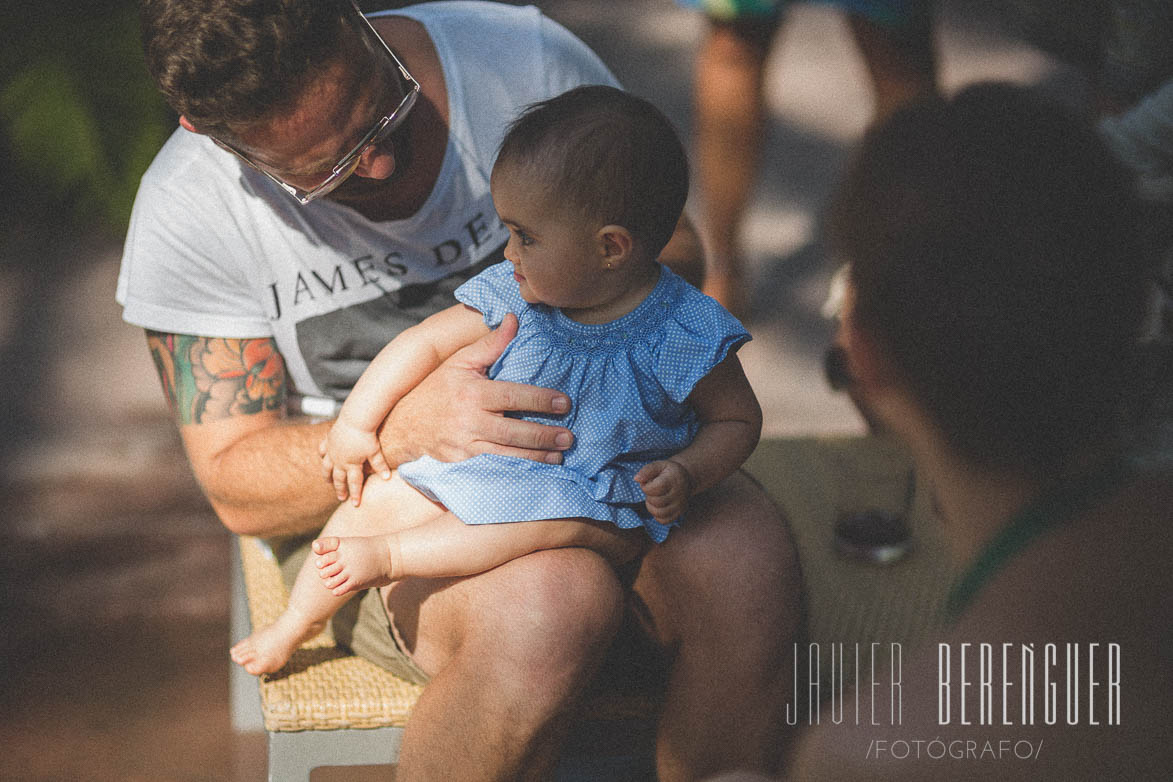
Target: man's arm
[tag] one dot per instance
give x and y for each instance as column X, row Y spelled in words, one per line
column 262, row 472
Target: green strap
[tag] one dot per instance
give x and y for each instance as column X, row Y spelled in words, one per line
column 1061, row 503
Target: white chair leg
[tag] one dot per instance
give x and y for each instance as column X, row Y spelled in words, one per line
column 243, row 694
column 293, row 755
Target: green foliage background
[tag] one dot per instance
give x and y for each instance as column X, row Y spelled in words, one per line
column 80, row 119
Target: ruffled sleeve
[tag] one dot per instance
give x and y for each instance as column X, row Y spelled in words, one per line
column 697, row 336
column 494, row 293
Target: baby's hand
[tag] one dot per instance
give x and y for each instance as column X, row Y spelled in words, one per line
column 667, row 486
column 344, row 452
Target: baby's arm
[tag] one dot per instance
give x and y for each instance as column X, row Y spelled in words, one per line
column 731, row 423
column 398, row 368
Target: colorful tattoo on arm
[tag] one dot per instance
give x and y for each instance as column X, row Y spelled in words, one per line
column 209, row 378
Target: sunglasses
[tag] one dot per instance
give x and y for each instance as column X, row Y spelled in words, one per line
column 351, row 160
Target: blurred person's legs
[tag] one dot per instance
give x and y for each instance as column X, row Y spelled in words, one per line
column 729, row 117
column 895, row 39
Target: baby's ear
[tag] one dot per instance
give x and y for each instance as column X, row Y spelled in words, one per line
column 615, row 245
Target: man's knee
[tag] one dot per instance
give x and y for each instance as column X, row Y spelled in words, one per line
column 735, row 550
column 737, row 522
column 560, row 596
column 552, row 617
column 547, row 612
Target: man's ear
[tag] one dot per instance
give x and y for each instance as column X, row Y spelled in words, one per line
column 864, row 362
column 185, row 123
column 615, row 245
column 865, row 358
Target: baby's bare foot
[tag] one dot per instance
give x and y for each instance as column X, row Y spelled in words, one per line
column 352, row 564
column 269, row 648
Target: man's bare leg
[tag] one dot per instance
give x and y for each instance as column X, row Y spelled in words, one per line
column 729, row 677
column 510, row 651
column 387, row 506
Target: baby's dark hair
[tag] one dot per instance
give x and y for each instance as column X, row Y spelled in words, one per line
column 995, row 261
column 607, row 156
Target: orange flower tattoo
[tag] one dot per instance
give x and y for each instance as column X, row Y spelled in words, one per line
column 208, row 378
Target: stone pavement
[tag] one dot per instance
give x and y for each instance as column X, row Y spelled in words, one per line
column 115, row 573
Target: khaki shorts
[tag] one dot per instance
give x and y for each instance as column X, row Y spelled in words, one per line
column 362, row 625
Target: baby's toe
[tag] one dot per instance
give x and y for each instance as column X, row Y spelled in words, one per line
column 242, row 653
column 325, row 545
column 328, row 569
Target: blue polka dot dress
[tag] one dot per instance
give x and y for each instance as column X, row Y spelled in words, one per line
column 627, row 381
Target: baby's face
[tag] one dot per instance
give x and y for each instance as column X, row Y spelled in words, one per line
column 557, row 260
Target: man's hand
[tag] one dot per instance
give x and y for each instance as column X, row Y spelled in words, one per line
column 457, row 412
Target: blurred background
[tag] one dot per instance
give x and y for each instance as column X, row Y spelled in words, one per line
column 114, row 573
